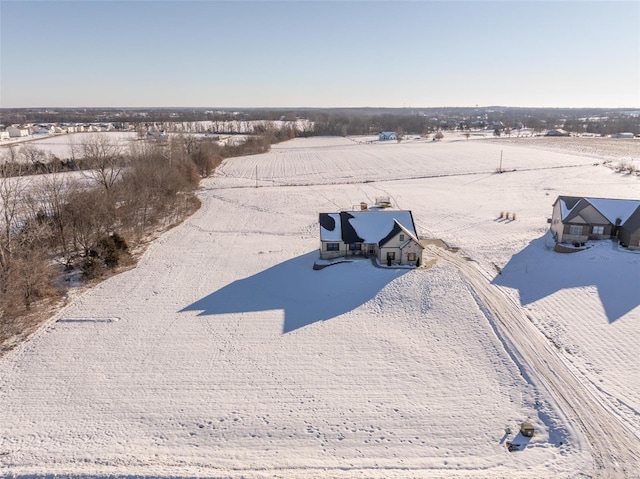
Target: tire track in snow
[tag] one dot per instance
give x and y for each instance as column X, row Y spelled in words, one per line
column 613, row 447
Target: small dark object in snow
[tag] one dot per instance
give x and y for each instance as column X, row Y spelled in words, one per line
column 512, row 447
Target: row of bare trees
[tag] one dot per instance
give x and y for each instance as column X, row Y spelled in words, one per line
column 81, row 224
column 82, row 218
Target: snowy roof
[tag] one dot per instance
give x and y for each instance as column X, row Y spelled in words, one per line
column 397, row 228
column 370, row 226
column 616, row 211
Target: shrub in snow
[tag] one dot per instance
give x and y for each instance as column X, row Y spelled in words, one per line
column 110, row 248
column 107, row 254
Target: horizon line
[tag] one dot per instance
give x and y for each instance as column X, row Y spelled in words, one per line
column 323, row 107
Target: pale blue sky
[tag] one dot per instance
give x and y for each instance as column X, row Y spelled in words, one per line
column 319, row 54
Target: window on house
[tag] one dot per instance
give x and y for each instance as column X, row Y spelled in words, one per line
column 333, row 246
column 411, row 256
column 401, row 237
column 355, row 246
column 598, row 230
column 391, row 255
column 575, row 230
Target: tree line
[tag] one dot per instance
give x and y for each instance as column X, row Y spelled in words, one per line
column 83, row 221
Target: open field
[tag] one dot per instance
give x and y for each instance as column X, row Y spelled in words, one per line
column 611, row 149
column 72, row 145
column 67, row 145
column 223, row 354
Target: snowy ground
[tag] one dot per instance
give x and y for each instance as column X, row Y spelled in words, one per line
column 224, row 354
column 72, row 145
column 64, row 146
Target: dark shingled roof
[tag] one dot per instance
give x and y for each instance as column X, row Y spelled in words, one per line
column 570, row 201
column 349, row 235
column 327, row 222
column 396, row 229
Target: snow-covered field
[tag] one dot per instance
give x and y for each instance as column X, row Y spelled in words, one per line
column 223, row 354
column 607, row 149
column 72, row 145
column 68, row 145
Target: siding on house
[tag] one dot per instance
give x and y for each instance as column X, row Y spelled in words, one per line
column 629, row 234
column 577, row 220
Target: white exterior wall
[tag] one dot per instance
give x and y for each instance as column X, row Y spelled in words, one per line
column 382, row 257
column 393, row 245
column 401, row 248
column 411, row 248
column 557, row 228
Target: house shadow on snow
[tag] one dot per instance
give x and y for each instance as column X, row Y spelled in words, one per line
column 537, row 272
column 303, row 294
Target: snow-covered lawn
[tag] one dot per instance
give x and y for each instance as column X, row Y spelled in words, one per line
column 225, row 354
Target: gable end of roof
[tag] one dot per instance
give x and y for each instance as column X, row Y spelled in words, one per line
column 394, row 231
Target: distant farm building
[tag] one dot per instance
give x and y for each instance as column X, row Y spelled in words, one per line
column 388, row 235
column 558, row 132
column 576, row 220
column 387, row 135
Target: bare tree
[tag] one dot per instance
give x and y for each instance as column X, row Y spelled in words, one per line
column 12, row 154
column 11, row 195
column 206, row 157
column 30, row 274
column 75, row 150
column 141, row 131
column 90, row 217
column 35, row 158
column 53, row 198
column 105, row 159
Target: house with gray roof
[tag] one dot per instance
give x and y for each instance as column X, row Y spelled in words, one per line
column 388, row 235
column 576, row 220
